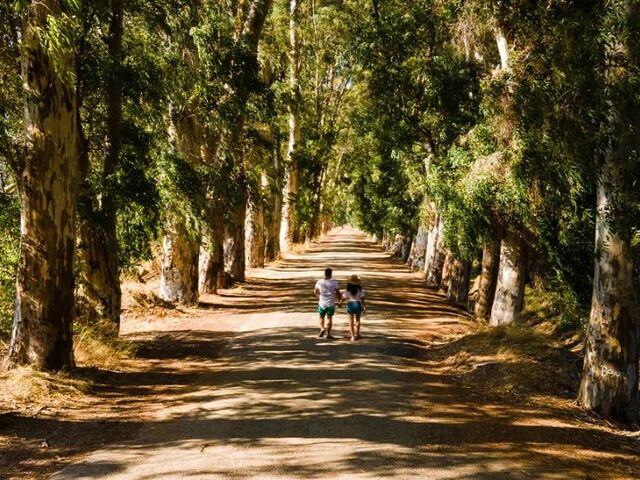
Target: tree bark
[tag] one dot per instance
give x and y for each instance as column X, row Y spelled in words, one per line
column 447, row 267
column 235, row 241
column 458, row 285
column 255, row 230
column 609, row 382
column 272, row 248
column 435, row 254
column 181, row 244
column 509, row 296
column 288, row 222
column 419, row 249
column 235, row 255
column 405, row 249
column 98, row 248
column 211, row 276
column 179, row 273
column 49, row 184
column 488, row 277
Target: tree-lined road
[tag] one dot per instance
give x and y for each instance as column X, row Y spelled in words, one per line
column 258, row 395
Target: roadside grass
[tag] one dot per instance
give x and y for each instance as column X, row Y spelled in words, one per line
column 540, row 354
column 96, row 349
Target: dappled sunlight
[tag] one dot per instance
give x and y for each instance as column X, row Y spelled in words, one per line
column 244, row 389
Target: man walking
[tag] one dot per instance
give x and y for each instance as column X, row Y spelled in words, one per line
column 327, row 292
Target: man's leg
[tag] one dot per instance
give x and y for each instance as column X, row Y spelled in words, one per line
column 329, row 325
column 322, row 329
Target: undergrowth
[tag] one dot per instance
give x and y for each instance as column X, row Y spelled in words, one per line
column 96, row 349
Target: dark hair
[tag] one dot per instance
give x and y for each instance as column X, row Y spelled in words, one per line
column 353, row 289
column 328, row 272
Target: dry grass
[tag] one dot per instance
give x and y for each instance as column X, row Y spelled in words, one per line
column 27, row 390
column 100, row 347
column 508, row 361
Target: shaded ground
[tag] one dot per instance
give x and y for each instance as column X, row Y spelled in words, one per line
column 241, row 388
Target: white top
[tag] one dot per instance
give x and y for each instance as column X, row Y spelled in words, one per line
column 349, row 297
column 327, row 288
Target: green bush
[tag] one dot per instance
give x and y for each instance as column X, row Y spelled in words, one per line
column 9, row 252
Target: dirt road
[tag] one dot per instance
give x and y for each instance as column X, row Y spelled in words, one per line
column 251, row 392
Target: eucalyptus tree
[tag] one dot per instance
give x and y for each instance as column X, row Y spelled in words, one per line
column 610, row 383
column 98, row 245
column 288, row 228
column 48, row 175
column 181, row 175
column 244, row 81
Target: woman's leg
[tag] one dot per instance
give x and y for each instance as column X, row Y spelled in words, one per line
column 351, row 326
column 357, row 326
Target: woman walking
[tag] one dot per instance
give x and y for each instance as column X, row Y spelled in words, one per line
column 356, row 306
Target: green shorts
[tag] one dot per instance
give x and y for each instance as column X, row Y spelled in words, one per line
column 330, row 311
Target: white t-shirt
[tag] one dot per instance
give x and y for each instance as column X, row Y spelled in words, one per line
column 327, row 289
column 349, row 297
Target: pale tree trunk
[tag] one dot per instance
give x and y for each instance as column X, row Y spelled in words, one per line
column 235, row 238
column 435, row 254
column 181, row 242
column 179, row 273
column 211, row 264
column 405, row 248
column 509, row 296
column 419, row 249
column 255, row 229
column 49, row 184
column 609, row 382
column 488, row 277
column 98, row 248
column 447, row 266
column 288, row 222
column 252, row 26
column 458, row 285
column 272, row 248
column 503, row 48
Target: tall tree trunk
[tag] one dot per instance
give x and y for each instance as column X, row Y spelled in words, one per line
column 288, row 222
column 255, row 230
column 509, row 296
column 181, row 244
column 435, row 254
column 405, row 249
column 610, row 377
column 252, row 26
column 458, row 285
column 49, row 183
column 179, row 273
column 419, row 249
column 488, row 277
column 211, row 275
column 609, row 382
column 99, row 244
column 235, row 241
column 272, row 248
column 447, row 268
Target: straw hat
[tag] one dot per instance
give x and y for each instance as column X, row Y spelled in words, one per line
column 354, row 280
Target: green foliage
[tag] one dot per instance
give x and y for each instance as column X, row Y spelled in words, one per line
column 9, row 253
